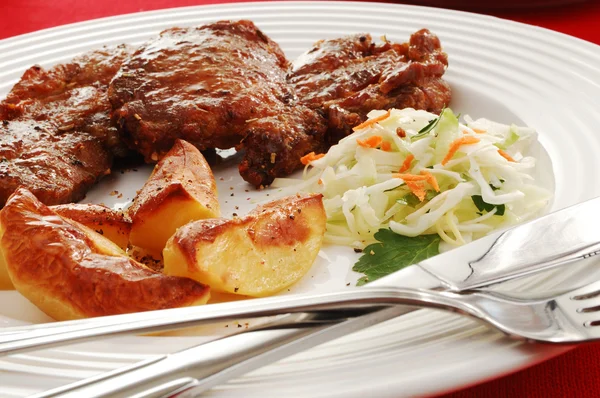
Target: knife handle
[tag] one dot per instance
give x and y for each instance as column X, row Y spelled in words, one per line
column 189, row 372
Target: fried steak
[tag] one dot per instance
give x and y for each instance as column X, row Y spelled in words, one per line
column 55, row 133
column 215, row 86
column 348, row 77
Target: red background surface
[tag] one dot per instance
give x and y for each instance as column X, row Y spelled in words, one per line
column 574, row 374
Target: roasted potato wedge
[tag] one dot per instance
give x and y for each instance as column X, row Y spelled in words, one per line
column 258, row 255
column 181, row 189
column 69, row 271
column 108, row 222
column 112, row 224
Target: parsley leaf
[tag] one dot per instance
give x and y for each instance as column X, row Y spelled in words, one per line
column 484, row 206
column 394, row 252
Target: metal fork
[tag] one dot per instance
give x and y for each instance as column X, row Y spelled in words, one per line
column 569, row 318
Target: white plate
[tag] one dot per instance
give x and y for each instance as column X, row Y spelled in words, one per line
column 498, row 69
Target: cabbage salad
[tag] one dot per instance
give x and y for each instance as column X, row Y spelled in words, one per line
column 418, row 173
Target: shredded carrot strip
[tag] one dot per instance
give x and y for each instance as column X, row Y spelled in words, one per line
column 478, row 131
column 386, row 146
column 505, row 155
column 456, row 144
column 415, row 183
column 406, row 164
column 417, row 188
column 431, row 180
column 371, row 142
column 372, row 121
column 306, row 159
column 410, row 177
column 320, row 182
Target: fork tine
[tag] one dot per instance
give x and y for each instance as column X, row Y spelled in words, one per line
column 586, row 292
column 594, row 308
column 586, row 296
column 586, row 318
column 575, row 314
column 582, row 306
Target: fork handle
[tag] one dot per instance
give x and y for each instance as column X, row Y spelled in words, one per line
column 23, row 339
column 189, row 372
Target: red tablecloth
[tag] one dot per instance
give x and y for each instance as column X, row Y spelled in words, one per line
column 575, row 374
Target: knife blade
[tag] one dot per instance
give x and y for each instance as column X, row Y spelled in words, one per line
column 563, row 237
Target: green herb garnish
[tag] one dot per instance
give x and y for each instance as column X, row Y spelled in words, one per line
column 484, row 206
column 394, row 252
column 430, row 126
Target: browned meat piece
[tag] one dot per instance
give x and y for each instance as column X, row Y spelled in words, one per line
column 348, row 77
column 274, row 145
column 57, row 168
column 55, row 134
column 214, row 86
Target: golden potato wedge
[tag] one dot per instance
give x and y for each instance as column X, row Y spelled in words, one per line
column 181, row 189
column 70, row 272
column 110, row 223
column 258, row 255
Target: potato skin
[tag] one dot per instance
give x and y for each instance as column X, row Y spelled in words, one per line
column 71, row 272
column 181, row 189
column 5, row 282
column 112, row 224
column 257, row 255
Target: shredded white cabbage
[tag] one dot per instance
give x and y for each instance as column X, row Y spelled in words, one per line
column 480, row 168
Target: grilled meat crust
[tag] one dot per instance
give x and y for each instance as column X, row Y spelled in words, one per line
column 55, row 133
column 216, row 86
column 204, row 85
column 348, row 77
column 274, row 145
column 56, row 168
